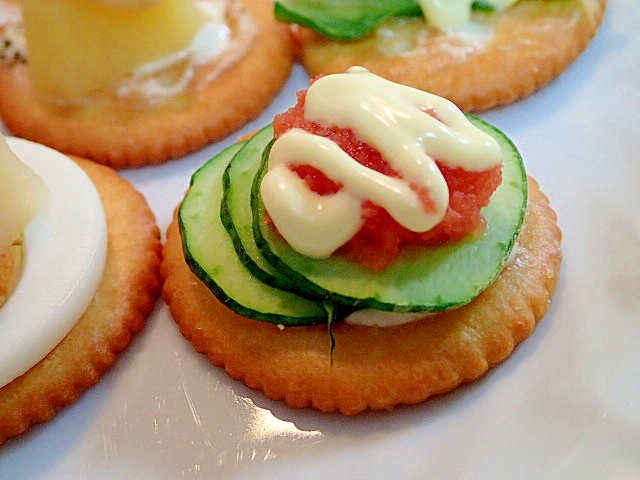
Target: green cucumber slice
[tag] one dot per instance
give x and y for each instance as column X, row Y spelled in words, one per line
column 343, row 19
column 236, row 200
column 430, row 280
column 210, row 254
column 237, row 217
column 349, row 19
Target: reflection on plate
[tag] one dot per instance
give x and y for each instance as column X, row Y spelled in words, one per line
column 565, row 405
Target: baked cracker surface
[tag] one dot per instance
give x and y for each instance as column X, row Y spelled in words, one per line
column 122, row 136
column 530, row 44
column 125, row 297
column 374, row 368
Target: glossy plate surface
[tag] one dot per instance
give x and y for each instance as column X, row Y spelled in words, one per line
column 565, row 405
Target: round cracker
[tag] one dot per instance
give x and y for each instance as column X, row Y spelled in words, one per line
column 126, row 296
column 532, row 43
column 122, row 135
column 374, row 368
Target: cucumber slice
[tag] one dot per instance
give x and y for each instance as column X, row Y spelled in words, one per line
column 210, row 254
column 235, row 210
column 432, row 279
column 237, row 216
column 343, row 19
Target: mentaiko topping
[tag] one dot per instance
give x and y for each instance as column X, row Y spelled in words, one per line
column 80, row 50
column 65, row 248
column 412, row 135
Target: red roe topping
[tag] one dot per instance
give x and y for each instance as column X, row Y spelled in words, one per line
column 381, row 238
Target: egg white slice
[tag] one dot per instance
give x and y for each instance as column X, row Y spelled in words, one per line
column 65, row 249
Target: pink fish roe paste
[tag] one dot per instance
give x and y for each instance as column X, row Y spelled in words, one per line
column 381, row 238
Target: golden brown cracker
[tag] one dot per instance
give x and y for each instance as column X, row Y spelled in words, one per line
column 122, row 136
column 10, row 269
column 532, row 43
column 374, row 368
column 125, row 297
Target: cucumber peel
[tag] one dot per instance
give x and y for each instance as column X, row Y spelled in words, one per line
column 349, row 19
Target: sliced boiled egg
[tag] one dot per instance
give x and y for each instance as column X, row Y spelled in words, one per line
column 65, row 248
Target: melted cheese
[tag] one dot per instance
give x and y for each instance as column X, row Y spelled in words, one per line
column 65, row 252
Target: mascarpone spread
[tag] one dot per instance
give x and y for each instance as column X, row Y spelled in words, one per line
column 65, row 251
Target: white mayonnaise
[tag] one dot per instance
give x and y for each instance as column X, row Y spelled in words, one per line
column 409, row 127
column 65, row 247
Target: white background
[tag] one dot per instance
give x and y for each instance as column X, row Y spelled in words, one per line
column 566, row 404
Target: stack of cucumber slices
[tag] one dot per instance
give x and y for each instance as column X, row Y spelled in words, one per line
column 253, row 271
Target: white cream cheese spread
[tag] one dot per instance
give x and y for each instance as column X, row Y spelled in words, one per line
column 215, row 43
column 448, row 14
column 368, row 317
column 409, row 127
column 65, row 247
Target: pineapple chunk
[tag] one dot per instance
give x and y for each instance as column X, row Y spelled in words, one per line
column 129, row 3
column 22, row 194
column 76, row 48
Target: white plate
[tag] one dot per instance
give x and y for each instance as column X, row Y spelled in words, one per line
column 565, row 405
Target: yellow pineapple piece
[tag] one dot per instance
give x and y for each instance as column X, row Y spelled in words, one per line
column 129, row 3
column 22, row 194
column 78, row 47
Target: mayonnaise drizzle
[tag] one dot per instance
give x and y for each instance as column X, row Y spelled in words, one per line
column 393, row 119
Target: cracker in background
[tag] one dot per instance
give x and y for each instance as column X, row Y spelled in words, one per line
column 533, row 42
column 123, row 136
